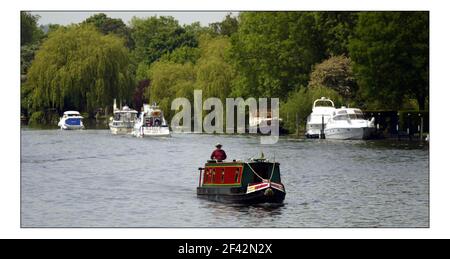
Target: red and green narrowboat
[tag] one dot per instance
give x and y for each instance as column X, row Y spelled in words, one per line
column 252, row 182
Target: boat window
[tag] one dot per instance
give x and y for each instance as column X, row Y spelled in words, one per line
column 341, row 117
column 356, row 116
column 223, row 176
column 342, row 112
column 236, row 176
column 214, row 175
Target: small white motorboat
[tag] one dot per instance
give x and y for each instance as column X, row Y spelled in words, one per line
column 71, row 120
column 322, row 111
column 349, row 123
column 123, row 120
column 151, row 122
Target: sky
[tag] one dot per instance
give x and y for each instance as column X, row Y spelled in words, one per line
column 65, row 18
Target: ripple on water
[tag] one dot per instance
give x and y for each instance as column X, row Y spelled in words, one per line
column 93, row 179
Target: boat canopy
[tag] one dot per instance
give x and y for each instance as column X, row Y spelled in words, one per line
column 71, row 113
column 323, row 102
column 348, row 113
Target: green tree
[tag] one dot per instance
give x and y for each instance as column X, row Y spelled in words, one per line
column 168, row 81
column 79, row 68
column 156, row 36
column 391, row 57
column 108, row 25
column 182, row 55
column 274, row 52
column 227, row 27
column 29, row 31
column 214, row 72
column 335, row 73
column 336, row 28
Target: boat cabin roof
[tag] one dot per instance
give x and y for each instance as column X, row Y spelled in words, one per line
column 345, row 110
column 125, row 111
column 323, row 102
column 236, row 163
column 71, row 113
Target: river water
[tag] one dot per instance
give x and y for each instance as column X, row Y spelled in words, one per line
column 91, row 178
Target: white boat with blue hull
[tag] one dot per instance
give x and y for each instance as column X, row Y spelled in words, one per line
column 349, row 123
column 71, row 120
column 151, row 122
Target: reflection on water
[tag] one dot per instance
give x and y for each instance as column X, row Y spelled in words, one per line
column 91, row 178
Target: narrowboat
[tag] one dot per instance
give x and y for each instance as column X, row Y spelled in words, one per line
column 253, row 182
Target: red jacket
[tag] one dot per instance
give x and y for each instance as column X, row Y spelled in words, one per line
column 219, row 154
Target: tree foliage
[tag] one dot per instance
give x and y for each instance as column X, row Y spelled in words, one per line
column 214, row 72
column 390, row 51
column 108, row 25
column 274, row 52
column 210, row 73
column 29, row 31
column 170, row 80
column 79, row 68
column 227, row 27
column 336, row 28
column 156, row 36
column 335, row 73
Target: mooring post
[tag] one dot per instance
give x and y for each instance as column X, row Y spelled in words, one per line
column 421, row 127
column 409, row 125
column 322, row 130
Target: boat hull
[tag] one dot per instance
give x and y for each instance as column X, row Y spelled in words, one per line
column 71, row 127
column 152, row 132
column 349, row 133
column 156, row 131
column 74, row 123
column 120, row 130
column 238, row 195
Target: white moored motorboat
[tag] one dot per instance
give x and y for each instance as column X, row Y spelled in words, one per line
column 151, row 122
column 322, row 111
column 123, row 120
column 349, row 123
column 71, row 120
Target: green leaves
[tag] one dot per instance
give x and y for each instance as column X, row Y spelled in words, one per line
column 390, row 52
column 335, row 73
column 78, row 67
column 274, row 52
column 156, row 36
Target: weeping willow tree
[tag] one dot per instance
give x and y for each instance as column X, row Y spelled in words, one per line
column 79, row 68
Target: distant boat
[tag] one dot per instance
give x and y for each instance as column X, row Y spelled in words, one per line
column 151, row 122
column 123, row 120
column 349, row 123
column 322, row 108
column 71, row 120
column 262, row 123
